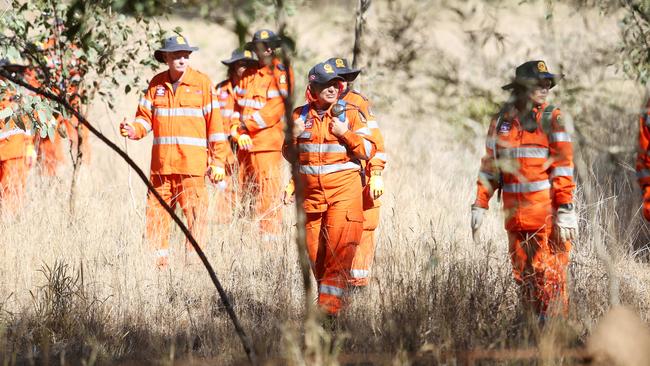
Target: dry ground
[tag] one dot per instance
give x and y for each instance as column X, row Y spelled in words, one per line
column 435, row 291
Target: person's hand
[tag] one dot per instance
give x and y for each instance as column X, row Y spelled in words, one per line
column 30, row 155
column 127, row 129
column 566, row 223
column 298, row 127
column 376, row 184
column 288, row 196
column 337, row 128
column 477, row 218
column 244, row 142
column 215, row 173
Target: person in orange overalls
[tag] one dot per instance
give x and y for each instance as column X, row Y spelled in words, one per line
column 226, row 93
column 529, row 158
column 259, row 132
column 643, row 159
column 373, row 181
column 331, row 138
column 189, row 143
column 16, row 149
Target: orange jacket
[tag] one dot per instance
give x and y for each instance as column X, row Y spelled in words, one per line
column 186, row 124
column 13, row 139
column 378, row 162
column 534, row 170
column 225, row 95
column 643, row 154
column 260, row 110
column 329, row 165
column 283, row 76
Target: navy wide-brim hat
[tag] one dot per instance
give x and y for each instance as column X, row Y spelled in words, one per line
column 530, row 72
column 343, row 69
column 240, row 55
column 323, row 73
column 173, row 44
column 264, row 36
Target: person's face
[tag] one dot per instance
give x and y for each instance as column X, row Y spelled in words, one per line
column 539, row 93
column 177, row 61
column 327, row 93
column 345, row 84
column 264, row 51
column 240, row 68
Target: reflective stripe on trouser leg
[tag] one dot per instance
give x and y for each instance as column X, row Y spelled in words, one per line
column 339, row 238
column 539, row 267
column 365, row 254
column 193, row 199
column 157, row 219
column 13, row 176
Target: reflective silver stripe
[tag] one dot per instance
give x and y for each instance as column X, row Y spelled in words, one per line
column 367, row 145
column 257, row 117
column 178, row 112
column 146, row 103
column 524, row 152
column 490, row 143
column 161, row 253
column 217, row 137
column 373, row 124
column 222, row 104
column 560, row 137
column 209, row 107
column 235, row 115
column 327, row 169
column 486, row 176
column 272, row 94
column 331, row 290
column 239, row 90
column 363, row 131
column 14, row 131
column 359, row 273
column 381, row 156
column 643, row 173
column 322, row 148
column 250, row 103
column 144, row 124
column 527, row 187
column 179, row 140
column 284, row 93
column 562, row 171
column 226, row 112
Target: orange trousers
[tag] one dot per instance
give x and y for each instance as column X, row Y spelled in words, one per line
column 365, row 255
column 260, row 180
column 225, row 200
column 13, row 176
column 190, row 193
column 539, row 267
column 50, row 155
column 332, row 240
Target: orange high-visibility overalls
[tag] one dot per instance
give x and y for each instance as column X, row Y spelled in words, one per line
column 534, row 170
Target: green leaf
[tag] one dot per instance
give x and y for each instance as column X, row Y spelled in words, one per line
column 51, row 131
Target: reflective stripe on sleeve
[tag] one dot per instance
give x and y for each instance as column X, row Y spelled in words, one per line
column 560, row 137
column 562, row 171
column 215, row 137
column 180, row 140
column 272, row 94
column 331, row 290
column 359, row 273
column 322, row 148
column 161, row 253
column 250, row 103
column 367, row 145
column 524, row 152
column 284, row 93
column 236, row 115
column 257, row 117
column 146, row 103
column 486, row 176
column 327, row 169
column 179, row 112
column 381, row 156
column 373, row 124
column 643, row 173
column 12, row 132
column 364, row 131
column 144, row 124
column 527, row 187
column 226, row 112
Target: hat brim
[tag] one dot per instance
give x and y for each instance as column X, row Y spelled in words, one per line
column 528, row 81
column 273, row 42
column 351, row 75
column 232, row 61
column 323, row 82
column 158, row 54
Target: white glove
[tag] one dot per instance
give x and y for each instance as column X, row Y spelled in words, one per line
column 566, row 223
column 477, row 217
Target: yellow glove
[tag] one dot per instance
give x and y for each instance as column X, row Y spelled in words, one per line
column 216, row 173
column 30, row 155
column 234, row 133
column 376, row 184
column 127, row 129
column 289, row 191
column 244, row 142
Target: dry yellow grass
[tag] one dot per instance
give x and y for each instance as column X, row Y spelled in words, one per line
column 434, row 291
